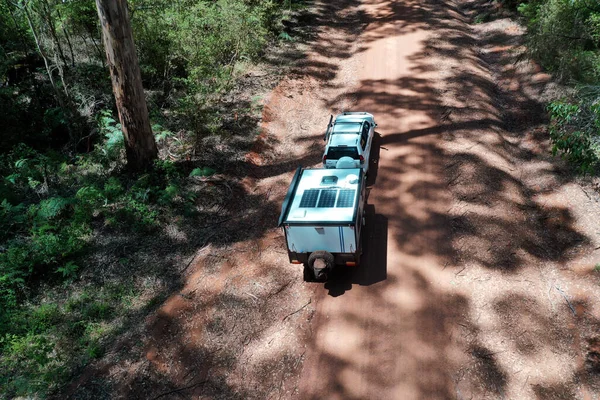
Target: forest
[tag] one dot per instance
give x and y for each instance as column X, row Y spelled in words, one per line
column 67, row 185
column 65, row 181
column 564, row 36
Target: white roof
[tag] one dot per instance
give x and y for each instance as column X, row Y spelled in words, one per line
column 354, row 117
column 347, row 127
column 325, row 195
column 344, row 140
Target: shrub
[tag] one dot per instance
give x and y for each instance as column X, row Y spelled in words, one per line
column 564, row 36
column 574, row 131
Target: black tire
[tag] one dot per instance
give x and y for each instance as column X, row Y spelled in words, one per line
column 326, row 257
column 309, row 276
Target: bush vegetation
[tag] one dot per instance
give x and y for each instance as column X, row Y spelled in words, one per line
column 62, row 175
column 564, row 36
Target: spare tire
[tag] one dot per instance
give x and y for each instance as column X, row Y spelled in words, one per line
column 345, row 162
column 321, row 263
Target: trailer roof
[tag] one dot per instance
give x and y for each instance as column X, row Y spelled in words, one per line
column 324, row 195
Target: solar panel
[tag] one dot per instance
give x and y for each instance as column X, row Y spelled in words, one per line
column 309, row 198
column 346, row 198
column 327, row 198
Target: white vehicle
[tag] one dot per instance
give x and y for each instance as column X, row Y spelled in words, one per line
column 349, row 139
column 322, row 219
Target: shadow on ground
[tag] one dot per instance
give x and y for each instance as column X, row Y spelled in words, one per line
column 482, row 168
column 482, row 108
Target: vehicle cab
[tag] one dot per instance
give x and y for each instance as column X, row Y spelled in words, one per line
column 349, row 139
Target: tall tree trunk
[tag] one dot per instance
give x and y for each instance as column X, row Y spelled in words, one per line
column 67, row 36
column 42, row 53
column 46, row 15
column 127, row 83
column 100, row 57
column 17, row 28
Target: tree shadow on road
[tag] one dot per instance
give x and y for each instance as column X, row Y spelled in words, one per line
column 467, row 191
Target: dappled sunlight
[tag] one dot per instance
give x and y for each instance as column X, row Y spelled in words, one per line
column 466, row 183
column 475, row 281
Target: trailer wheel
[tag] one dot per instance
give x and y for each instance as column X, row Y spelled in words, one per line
column 309, row 276
column 320, row 264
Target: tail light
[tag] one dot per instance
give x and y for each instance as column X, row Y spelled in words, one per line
column 362, row 159
column 324, row 158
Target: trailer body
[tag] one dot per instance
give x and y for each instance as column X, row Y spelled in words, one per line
column 323, row 213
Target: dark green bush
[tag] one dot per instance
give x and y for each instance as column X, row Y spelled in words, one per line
column 62, row 161
column 564, row 35
column 574, row 131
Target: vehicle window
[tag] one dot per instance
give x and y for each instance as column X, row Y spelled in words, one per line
column 335, row 153
column 364, row 136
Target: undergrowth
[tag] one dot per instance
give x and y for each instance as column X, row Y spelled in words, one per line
column 564, row 36
column 575, row 131
column 63, row 182
column 51, row 206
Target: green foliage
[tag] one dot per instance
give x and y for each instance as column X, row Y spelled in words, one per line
column 482, row 18
column 113, row 139
column 574, row 132
column 69, row 270
column 564, row 36
column 40, row 342
column 47, row 212
column 204, row 171
column 161, row 134
column 285, row 36
column 197, row 41
column 62, row 157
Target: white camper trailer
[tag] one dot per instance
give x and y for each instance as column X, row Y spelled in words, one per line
column 322, row 218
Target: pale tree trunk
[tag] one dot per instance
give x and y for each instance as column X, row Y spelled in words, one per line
column 42, row 53
column 127, row 83
column 46, row 14
column 67, row 36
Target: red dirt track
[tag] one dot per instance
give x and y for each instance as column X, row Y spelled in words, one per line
column 472, row 241
column 477, row 279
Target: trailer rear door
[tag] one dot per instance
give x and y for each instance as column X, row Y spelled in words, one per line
column 334, row 239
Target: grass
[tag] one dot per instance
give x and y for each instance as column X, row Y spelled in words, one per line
column 60, row 333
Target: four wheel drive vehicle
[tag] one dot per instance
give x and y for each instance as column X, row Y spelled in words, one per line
column 349, row 139
column 322, row 219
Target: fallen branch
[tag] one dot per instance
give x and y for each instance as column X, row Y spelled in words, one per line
column 298, row 310
column 280, row 289
column 451, row 181
column 587, row 195
column 198, row 253
column 217, row 223
column 180, row 389
column 567, row 300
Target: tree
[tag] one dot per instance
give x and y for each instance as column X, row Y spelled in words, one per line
column 140, row 145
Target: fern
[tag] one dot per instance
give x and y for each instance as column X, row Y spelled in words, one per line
column 52, row 207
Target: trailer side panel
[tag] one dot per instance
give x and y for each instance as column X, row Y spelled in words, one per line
column 348, row 239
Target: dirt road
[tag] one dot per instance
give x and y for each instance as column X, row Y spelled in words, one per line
column 478, row 277
column 477, row 281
